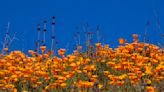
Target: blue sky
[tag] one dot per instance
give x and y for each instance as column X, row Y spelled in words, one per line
column 116, row 18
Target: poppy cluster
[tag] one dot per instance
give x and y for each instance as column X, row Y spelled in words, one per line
column 131, row 67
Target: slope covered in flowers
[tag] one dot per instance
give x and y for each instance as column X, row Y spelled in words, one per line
column 131, row 67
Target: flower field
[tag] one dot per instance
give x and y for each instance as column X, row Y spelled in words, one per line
column 131, row 67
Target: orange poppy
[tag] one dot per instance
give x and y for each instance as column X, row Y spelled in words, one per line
column 121, row 41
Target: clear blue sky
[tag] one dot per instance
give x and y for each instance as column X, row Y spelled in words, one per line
column 117, row 18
